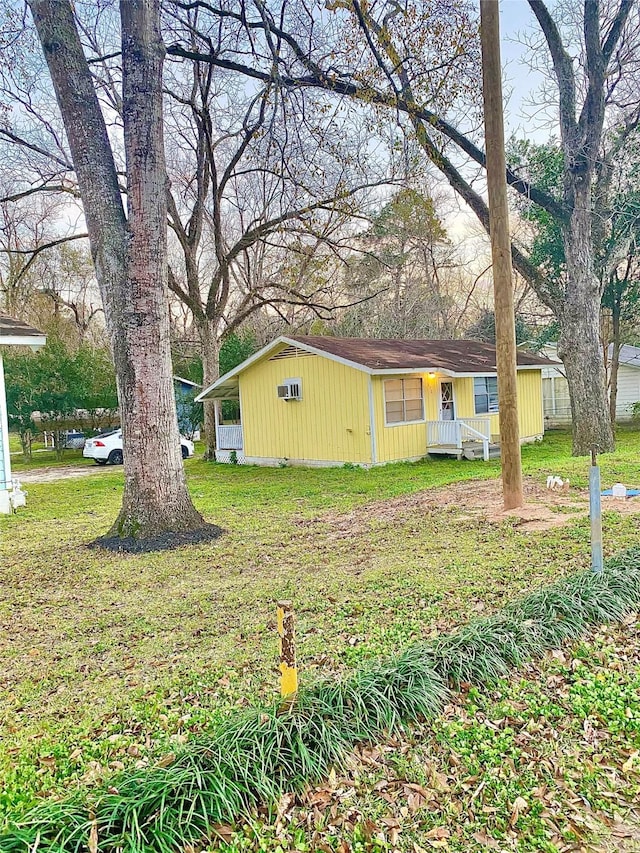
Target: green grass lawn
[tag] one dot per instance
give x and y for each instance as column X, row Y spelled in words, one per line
column 110, row 660
column 42, row 456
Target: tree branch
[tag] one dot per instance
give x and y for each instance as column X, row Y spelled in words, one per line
column 369, row 95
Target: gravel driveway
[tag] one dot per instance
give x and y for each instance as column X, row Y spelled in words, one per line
column 61, row 472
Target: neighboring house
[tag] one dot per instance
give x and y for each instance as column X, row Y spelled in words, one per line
column 329, row 401
column 184, row 388
column 557, row 407
column 12, row 333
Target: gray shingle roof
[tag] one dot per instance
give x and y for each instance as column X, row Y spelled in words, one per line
column 457, row 356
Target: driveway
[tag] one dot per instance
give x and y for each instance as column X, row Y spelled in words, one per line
column 52, row 472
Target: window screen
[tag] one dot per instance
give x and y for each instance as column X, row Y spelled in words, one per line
column 485, row 393
column 403, row 400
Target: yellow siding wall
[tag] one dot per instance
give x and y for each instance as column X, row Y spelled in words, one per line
column 403, row 441
column 529, row 403
column 329, row 424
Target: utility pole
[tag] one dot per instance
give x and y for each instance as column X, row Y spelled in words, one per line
column 501, row 255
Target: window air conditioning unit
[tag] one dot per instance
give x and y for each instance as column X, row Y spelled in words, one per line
column 290, row 390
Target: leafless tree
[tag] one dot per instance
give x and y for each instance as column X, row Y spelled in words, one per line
column 129, row 251
column 378, row 54
column 261, row 184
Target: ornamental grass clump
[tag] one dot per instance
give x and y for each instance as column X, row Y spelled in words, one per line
column 485, row 650
column 253, row 758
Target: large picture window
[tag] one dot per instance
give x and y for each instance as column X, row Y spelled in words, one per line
column 403, row 400
column 485, row 394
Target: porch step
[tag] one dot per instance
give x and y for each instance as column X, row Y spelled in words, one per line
column 474, row 450
column 470, row 450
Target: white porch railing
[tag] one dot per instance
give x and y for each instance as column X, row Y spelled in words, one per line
column 454, row 433
column 444, row 432
column 477, row 428
column 229, row 436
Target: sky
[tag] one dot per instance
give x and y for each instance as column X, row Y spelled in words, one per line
column 520, row 80
column 522, row 117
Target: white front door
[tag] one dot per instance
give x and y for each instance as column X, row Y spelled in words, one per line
column 447, row 404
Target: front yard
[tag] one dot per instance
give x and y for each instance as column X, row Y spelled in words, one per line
column 110, row 661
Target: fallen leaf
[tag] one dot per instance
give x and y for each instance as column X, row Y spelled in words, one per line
column 486, row 840
column 519, row 806
column 438, row 832
column 224, row 831
column 93, row 837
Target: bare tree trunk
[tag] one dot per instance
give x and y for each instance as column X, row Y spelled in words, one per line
column 208, row 331
column 130, row 258
column 579, row 340
column 155, row 497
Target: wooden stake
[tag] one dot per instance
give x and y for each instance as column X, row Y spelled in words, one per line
column 501, row 255
column 286, row 631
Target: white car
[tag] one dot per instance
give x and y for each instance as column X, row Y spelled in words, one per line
column 108, row 448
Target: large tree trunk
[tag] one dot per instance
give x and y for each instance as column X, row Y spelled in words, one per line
column 129, row 258
column 155, row 495
column 579, row 340
column 208, row 331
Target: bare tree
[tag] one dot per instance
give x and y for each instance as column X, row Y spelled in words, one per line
column 254, row 180
column 393, row 75
column 45, row 278
column 129, row 251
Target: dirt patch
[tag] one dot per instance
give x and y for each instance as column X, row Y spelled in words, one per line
column 164, row 542
column 49, row 473
column 475, row 499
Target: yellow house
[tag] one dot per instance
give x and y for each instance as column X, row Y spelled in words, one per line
column 311, row 400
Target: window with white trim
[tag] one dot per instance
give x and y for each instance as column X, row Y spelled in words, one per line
column 403, row 401
column 485, row 394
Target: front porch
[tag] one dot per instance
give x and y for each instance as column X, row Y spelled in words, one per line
column 229, row 441
column 468, row 437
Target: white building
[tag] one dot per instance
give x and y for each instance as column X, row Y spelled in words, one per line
column 12, row 333
column 555, row 391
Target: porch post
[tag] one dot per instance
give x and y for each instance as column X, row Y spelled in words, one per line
column 216, row 415
column 458, row 428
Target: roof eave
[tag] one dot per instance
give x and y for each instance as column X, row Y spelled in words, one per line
column 34, row 342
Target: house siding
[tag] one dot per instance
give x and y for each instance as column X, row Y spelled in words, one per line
column 403, row 441
column 628, row 391
column 530, row 416
column 329, row 424
column 557, row 406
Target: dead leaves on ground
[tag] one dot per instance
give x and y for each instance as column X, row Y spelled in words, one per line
column 416, row 794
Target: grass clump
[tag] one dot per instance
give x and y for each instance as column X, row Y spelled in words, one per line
column 486, row 649
column 251, row 759
column 256, row 756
